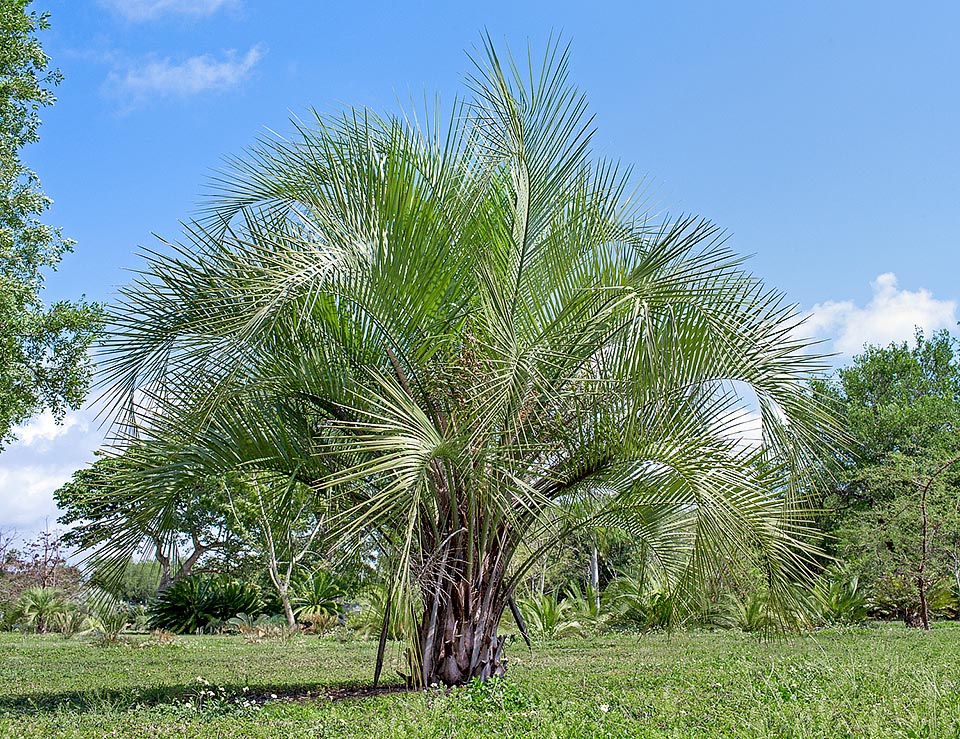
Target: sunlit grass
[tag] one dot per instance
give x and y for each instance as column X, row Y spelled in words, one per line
column 878, row 682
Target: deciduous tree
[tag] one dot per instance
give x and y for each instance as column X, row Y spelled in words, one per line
column 897, row 505
column 43, row 349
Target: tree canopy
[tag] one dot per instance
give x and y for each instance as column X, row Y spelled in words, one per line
column 43, row 350
column 97, row 510
column 896, row 509
column 456, row 328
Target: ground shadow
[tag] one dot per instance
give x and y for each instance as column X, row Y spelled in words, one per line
column 226, row 695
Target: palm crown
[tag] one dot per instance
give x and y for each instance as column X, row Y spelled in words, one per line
column 465, row 336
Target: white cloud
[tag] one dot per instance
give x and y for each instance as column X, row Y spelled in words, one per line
column 891, row 315
column 27, row 494
column 195, row 75
column 42, row 460
column 145, row 10
column 44, row 428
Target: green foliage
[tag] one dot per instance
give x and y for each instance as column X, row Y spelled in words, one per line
column 99, row 505
column 550, row 617
column 639, row 600
column 405, row 609
column 901, row 406
column 138, row 583
column 588, row 605
column 618, row 551
column 841, row 598
column 43, row 351
column 881, row 541
column 197, row 603
column 903, row 399
column 317, row 595
column 70, row 622
column 39, row 608
column 107, row 614
column 748, row 613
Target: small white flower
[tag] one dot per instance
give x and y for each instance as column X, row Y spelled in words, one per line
column 604, row 707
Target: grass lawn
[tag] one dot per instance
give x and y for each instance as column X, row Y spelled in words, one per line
column 876, row 682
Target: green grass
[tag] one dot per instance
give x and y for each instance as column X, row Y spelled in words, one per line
column 879, row 682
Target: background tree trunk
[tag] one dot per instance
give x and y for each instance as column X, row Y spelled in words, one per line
column 287, row 608
column 595, row 576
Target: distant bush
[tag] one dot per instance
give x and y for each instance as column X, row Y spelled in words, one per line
column 261, row 628
column 317, row 597
column 841, row 598
column 138, row 583
column 550, row 617
column 638, row 601
column 42, row 609
column 107, row 615
column 372, row 606
column 198, row 603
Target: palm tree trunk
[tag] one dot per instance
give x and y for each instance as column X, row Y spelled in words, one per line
column 455, row 651
column 457, row 639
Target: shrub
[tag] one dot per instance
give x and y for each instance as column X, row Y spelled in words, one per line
column 585, row 605
column 639, row 601
column 841, row 598
column 549, row 617
column 198, row 603
column 39, row 608
column 107, row 615
column 747, row 613
column 942, row 599
column 317, row 597
column 261, row 628
column 138, row 583
column 68, row 622
column 372, row 606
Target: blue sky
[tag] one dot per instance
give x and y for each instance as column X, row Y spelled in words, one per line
column 821, row 135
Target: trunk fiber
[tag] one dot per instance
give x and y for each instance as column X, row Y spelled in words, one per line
column 457, row 639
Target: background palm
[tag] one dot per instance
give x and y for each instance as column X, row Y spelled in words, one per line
column 455, row 332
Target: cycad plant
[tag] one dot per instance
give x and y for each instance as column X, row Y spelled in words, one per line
column 454, row 328
column 550, row 617
column 316, row 596
column 840, row 597
column 386, row 612
column 198, row 602
column 587, row 603
column 40, row 608
column 107, row 615
column 640, row 600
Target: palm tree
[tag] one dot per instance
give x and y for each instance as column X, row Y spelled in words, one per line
column 40, row 607
column 454, row 330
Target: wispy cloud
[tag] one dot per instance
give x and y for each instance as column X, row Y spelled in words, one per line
column 39, row 462
column 146, row 10
column 44, row 428
column 891, row 315
column 164, row 78
column 32, row 505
